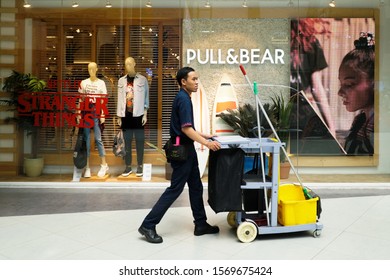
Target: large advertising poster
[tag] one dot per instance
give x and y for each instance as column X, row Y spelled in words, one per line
column 324, row 66
column 332, row 73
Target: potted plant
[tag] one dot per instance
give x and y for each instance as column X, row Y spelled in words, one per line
column 244, row 120
column 16, row 85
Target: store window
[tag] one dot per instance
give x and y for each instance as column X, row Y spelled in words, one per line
column 78, row 46
column 56, row 43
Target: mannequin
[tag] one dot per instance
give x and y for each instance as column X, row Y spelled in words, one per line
column 132, row 108
column 94, row 87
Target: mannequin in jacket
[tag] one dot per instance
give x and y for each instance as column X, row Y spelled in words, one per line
column 132, row 108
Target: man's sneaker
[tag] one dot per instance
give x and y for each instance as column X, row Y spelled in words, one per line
column 127, row 171
column 87, row 173
column 139, row 172
column 103, row 170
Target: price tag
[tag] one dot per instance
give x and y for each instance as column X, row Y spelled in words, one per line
column 147, row 176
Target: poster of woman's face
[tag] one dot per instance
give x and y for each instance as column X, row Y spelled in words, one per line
column 332, row 74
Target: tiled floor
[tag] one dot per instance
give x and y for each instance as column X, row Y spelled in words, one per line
column 355, row 228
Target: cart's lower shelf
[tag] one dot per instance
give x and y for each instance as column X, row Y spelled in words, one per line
column 249, row 226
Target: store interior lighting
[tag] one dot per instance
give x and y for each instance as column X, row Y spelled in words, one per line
column 108, row 4
column 149, row 4
column 207, row 4
column 75, row 5
column 290, row 3
column 332, row 3
column 26, row 4
column 244, row 5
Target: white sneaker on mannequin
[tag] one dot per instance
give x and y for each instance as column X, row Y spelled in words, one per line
column 87, row 173
column 103, row 170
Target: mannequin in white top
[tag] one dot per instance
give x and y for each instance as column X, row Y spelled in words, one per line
column 132, row 108
column 94, row 87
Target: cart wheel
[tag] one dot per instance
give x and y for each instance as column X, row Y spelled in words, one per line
column 317, row 233
column 231, row 219
column 247, row 232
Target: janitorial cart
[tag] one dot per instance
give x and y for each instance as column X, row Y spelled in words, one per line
column 258, row 204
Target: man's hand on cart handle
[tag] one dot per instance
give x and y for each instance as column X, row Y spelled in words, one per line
column 201, row 138
column 213, row 145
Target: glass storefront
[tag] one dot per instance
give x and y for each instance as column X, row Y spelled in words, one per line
column 327, row 64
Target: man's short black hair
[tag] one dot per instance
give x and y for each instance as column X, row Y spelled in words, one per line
column 183, row 74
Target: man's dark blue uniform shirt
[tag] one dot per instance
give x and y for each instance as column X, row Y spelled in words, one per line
column 181, row 116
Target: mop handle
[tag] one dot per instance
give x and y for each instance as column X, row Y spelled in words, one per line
column 260, row 104
column 255, row 91
column 271, row 126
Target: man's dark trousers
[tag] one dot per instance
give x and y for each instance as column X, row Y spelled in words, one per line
column 183, row 172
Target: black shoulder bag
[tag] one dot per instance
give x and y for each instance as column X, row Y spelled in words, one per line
column 175, row 151
column 80, row 151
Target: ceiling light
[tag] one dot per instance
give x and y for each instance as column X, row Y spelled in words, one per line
column 26, row 4
column 244, row 5
column 381, row 3
column 108, row 4
column 149, row 4
column 207, row 4
column 290, row 3
column 332, row 3
column 75, row 5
